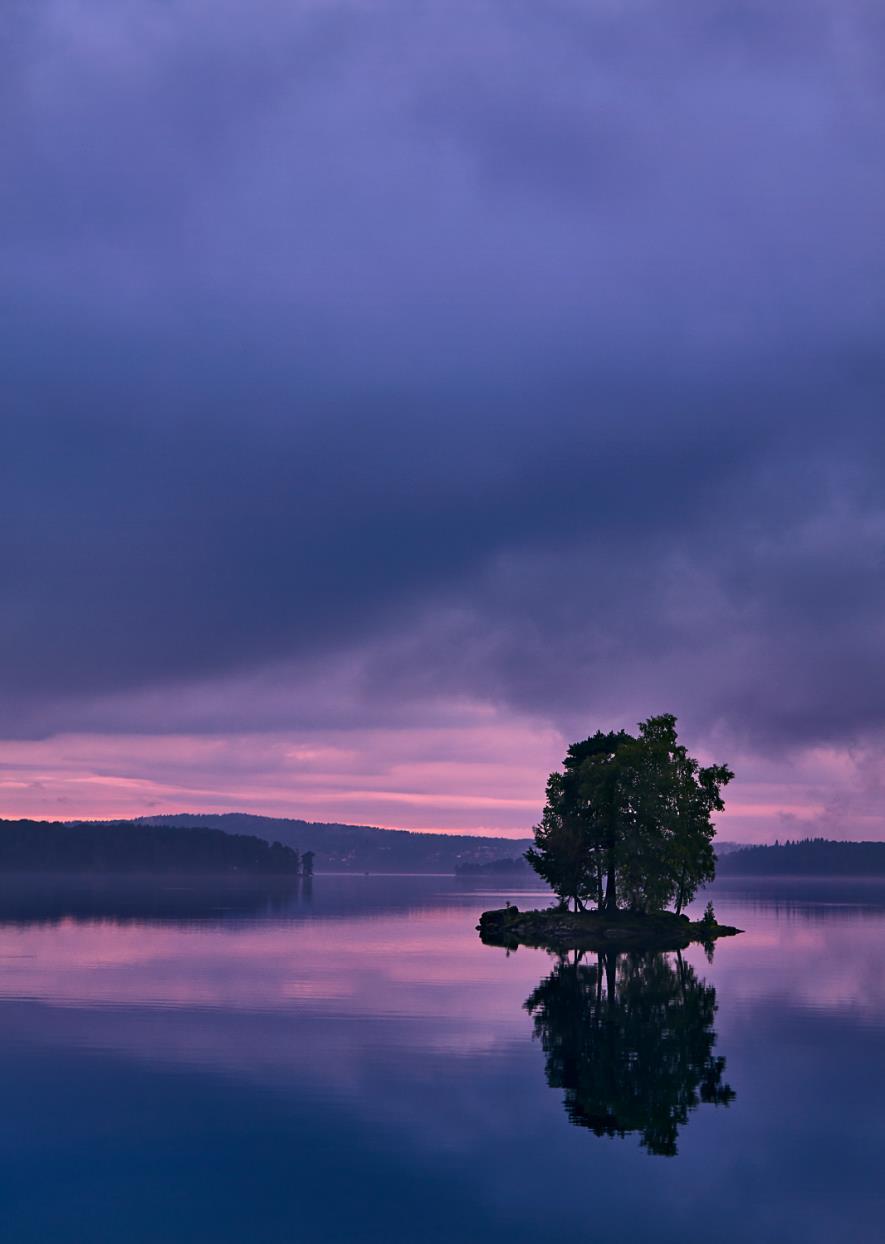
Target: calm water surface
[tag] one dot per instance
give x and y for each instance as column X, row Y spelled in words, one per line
column 352, row 1064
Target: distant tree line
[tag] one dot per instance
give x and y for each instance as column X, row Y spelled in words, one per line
column 53, row 846
column 807, row 857
column 627, row 823
column 356, row 848
column 510, row 865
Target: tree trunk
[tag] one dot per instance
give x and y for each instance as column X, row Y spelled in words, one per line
column 680, row 893
column 611, row 885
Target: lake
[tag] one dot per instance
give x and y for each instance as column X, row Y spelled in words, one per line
column 350, row 1063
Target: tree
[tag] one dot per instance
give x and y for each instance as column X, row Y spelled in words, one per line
column 560, row 854
column 676, row 798
column 593, row 788
column 628, row 821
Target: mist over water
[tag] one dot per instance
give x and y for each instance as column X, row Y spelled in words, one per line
column 351, row 1063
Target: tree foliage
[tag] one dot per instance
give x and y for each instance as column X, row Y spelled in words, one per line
column 628, row 821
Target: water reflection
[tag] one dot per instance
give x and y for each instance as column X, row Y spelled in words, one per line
column 361, row 1066
column 44, row 899
column 630, row 1040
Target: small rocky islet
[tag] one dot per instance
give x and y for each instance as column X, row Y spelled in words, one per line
column 555, row 929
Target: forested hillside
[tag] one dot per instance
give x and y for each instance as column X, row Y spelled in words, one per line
column 359, row 848
column 807, row 857
column 122, row 847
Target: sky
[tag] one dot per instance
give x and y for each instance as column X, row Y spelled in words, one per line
column 394, row 392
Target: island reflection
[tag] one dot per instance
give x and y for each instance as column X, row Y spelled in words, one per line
column 630, row 1038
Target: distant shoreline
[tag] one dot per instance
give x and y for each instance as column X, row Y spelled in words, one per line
column 337, row 847
column 809, row 857
column 114, row 849
column 271, row 845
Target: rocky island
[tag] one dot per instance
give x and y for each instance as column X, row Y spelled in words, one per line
column 557, row 929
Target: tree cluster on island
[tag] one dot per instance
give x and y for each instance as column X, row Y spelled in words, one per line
column 627, row 822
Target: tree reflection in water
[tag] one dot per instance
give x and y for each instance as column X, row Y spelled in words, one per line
column 630, row 1039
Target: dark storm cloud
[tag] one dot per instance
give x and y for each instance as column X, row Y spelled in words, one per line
column 525, row 353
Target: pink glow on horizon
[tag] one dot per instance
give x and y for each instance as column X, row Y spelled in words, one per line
column 480, row 778
column 483, row 775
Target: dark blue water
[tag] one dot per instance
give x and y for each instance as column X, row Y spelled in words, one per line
column 354, row 1065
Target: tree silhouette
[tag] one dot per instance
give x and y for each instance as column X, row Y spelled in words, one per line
column 630, row 1040
column 627, row 822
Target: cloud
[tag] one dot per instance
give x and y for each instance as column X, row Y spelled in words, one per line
column 366, row 361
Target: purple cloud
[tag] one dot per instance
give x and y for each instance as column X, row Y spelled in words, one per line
column 364, row 363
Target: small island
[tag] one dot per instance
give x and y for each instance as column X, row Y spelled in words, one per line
column 557, row 929
column 625, row 834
